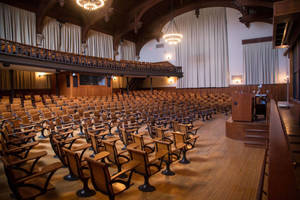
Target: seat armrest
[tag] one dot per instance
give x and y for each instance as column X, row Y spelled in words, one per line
column 81, row 147
column 31, row 156
column 70, row 139
column 112, row 140
column 23, row 146
column 132, row 146
column 101, row 155
column 178, row 133
column 162, row 142
column 45, row 170
column 126, row 167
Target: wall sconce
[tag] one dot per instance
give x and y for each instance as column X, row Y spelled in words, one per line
column 171, row 80
column 168, row 56
column 40, row 74
column 114, row 78
column 73, row 74
column 237, row 79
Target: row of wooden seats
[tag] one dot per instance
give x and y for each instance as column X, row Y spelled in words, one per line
column 70, row 130
column 26, row 178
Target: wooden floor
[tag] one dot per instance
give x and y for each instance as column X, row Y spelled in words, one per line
column 220, row 169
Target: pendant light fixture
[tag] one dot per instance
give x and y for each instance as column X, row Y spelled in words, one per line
column 172, row 35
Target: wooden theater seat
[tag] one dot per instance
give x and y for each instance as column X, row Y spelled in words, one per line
column 33, row 185
column 118, row 158
column 107, row 184
column 79, row 169
column 146, row 167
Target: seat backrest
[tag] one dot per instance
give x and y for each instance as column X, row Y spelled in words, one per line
column 111, row 148
column 183, row 129
column 94, row 142
column 100, row 176
column 179, row 139
column 124, row 136
column 141, row 157
column 73, row 162
column 139, row 140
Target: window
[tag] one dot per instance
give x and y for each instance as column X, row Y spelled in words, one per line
column 68, row 80
column 92, row 80
column 75, row 81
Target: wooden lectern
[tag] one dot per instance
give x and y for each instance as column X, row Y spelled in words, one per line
column 242, row 107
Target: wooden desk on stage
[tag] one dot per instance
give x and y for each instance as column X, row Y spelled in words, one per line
column 242, row 107
column 242, row 117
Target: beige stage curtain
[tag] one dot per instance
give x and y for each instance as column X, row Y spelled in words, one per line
column 261, row 63
column 4, row 80
column 43, row 82
column 99, row 45
column 29, row 80
column 17, row 25
column 71, row 38
column 203, row 52
column 51, row 34
column 127, row 50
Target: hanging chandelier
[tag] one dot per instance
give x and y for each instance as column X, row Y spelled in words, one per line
column 90, row 4
column 172, row 35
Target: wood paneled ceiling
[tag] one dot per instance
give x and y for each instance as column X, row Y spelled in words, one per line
column 136, row 20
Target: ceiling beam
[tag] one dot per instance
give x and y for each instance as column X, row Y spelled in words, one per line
column 91, row 18
column 133, row 21
column 41, row 13
column 255, row 3
column 259, row 17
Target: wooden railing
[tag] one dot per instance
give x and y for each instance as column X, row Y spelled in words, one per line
column 16, row 53
column 281, row 180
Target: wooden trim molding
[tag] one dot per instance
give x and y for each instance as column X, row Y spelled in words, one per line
column 257, row 40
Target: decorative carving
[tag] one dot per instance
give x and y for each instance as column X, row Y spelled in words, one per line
column 39, row 39
column 61, row 3
column 83, row 48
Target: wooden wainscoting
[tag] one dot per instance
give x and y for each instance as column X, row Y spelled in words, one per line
column 81, row 90
column 276, row 91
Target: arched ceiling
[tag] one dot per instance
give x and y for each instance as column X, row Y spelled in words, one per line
column 136, row 20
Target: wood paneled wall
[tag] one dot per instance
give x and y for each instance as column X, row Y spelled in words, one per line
column 276, row 91
column 81, row 90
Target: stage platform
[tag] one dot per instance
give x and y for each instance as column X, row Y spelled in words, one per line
column 237, row 130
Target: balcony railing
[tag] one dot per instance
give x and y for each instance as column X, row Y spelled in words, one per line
column 71, row 61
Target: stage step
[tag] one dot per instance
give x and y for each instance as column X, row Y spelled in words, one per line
column 261, row 137
column 256, row 137
column 255, row 144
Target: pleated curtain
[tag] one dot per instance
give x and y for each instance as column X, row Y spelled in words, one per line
column 100, row 45
column 17, row 25
column 51, row 34
column 127, row 50
column 4, row 80
column 29, row 80
column 71, row 38
column 203, row 52
column 261, row 63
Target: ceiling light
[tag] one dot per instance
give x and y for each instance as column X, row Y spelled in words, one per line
column 172, row 35
column 90, row 4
